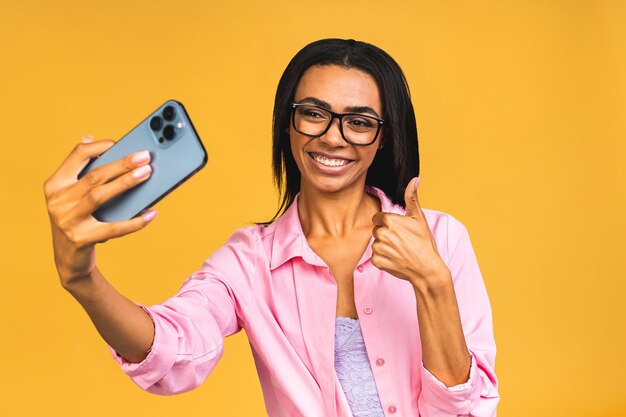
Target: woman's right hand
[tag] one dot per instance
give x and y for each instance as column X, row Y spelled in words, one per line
column 71, row 201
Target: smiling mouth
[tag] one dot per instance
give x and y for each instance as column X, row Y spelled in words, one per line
column 329, row 161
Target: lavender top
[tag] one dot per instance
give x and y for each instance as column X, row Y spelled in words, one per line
column 353, row 369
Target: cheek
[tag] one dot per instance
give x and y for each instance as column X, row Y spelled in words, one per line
column 296, row 143
column 368, row 156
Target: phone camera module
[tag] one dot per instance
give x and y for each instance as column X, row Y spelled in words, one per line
column 167, row 125
column 156, row 123
column 169, row 132
column 169, row 113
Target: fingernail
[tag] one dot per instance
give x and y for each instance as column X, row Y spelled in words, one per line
column 142, row 171
column 87, row 139
column 141, row 157
column 417, row 183
column 149, row 215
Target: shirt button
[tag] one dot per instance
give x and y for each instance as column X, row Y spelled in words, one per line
column 368, row 310
column 380, row 361
column 359, row 268
column 392, row 409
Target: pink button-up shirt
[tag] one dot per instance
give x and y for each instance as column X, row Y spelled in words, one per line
column 268, row 281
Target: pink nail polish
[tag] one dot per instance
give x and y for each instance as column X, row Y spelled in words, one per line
column 149, row 215
column 417, row 183
column 141, row 157
column 87, row 139
column 142, row 171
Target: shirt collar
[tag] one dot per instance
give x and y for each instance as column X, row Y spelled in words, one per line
column 289, row 240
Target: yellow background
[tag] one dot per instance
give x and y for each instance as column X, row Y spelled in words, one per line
column 520, row 107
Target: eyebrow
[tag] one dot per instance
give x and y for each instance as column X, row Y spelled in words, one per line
column 350, row 109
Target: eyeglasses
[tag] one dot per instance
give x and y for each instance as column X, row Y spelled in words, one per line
column 356, row 128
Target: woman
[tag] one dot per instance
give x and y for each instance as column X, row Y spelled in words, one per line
column 354, row 302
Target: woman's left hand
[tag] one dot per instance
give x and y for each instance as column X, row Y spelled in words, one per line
column 404, row 245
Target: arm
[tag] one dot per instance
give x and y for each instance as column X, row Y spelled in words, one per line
column 176, row 345
column 454, row 314
column 459, row 349
column 444, row 350
column 121, row 323
column 190, row 327
column 75, row 233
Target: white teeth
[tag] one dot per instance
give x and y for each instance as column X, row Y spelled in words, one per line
column 330, row 162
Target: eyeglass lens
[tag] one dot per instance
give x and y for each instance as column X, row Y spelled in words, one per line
column 313, row 121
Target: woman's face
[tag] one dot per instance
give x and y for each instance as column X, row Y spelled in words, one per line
column 328, row 163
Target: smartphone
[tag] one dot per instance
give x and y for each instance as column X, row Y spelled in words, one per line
column 176, row 154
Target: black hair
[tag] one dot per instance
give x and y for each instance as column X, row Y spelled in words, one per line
column 396, row 163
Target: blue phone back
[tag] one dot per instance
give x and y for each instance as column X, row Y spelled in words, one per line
column 172, row 161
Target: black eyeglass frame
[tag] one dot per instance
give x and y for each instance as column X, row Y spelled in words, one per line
column 334, row 116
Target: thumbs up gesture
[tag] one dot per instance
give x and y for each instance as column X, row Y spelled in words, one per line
column 404, row 245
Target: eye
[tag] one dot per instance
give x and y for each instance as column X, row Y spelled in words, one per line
column 360, row 122
column 312, row 114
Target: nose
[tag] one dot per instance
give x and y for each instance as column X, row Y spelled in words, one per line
column 333, row 137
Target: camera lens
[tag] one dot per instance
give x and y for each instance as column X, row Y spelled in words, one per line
column 169, row 132
column 155, row 123
column 169, row 113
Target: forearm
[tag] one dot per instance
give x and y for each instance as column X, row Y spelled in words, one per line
column 444, row 350
column 121, row 323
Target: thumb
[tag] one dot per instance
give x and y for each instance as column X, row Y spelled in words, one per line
column 413, row 208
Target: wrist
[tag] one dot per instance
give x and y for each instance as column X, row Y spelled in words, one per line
column 82, row 285
column 75, row 267
column 435, row 283
column 70, row 279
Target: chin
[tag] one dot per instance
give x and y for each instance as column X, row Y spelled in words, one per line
column 331, row 185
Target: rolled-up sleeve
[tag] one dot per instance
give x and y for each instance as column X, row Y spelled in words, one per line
column 190, row 327
column 478, row 396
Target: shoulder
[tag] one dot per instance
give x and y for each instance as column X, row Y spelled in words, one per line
column 452, row 237
column 252, row 242
column 236, row 263
column 445, row 227
column 247, row 235
column 437, row 218
column 240, row 250
column 253, row 236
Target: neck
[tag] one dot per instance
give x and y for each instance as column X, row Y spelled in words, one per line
column 335, row 214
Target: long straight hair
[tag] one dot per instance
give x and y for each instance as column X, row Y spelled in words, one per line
column 395, row 164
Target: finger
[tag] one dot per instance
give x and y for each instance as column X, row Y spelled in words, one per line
column 413, row 208
column 117, row 229
column 379, row 219
column 108, row 172
column 385, row 219
column 97, row 196
column 379, row 261
column 83, row 153
column 67, row 173
column 378, row 248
